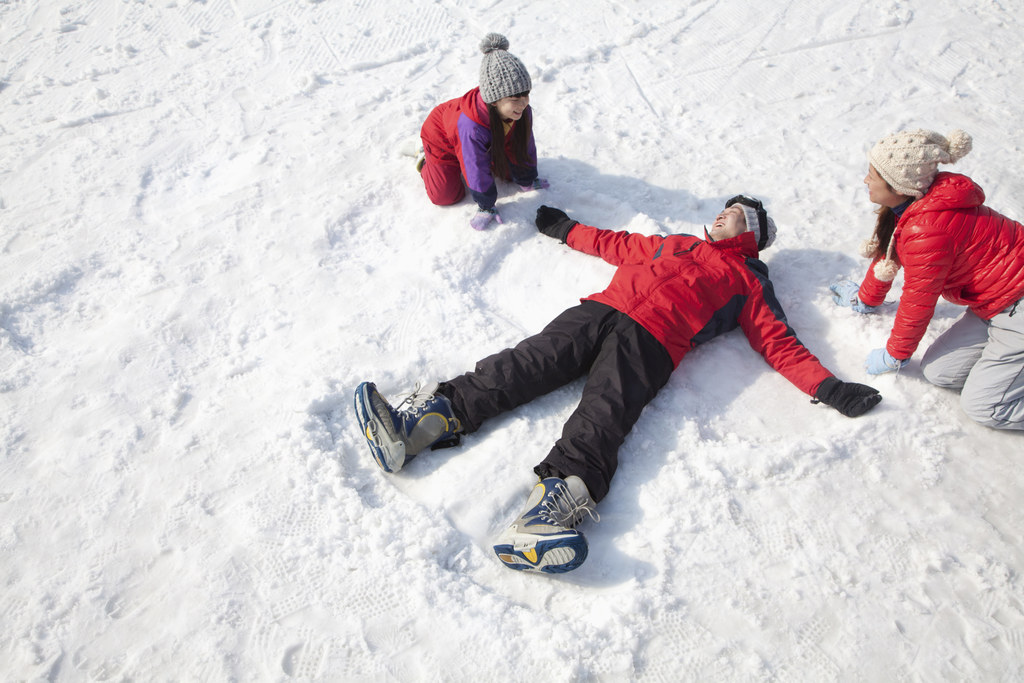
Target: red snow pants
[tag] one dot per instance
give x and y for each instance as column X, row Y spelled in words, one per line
column 442, row 177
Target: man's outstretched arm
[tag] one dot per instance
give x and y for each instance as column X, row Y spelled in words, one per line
column 615, row 247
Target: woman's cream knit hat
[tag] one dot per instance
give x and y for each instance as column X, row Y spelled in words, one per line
column 909, row 160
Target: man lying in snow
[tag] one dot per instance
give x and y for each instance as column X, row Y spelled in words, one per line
column 668, row 295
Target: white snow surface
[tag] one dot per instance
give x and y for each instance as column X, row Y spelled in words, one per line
column 211, row 232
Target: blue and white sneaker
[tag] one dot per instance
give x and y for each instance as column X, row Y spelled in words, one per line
column 543, row 538
column 395, row 435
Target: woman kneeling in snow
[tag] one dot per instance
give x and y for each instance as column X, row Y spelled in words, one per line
column 937, row 228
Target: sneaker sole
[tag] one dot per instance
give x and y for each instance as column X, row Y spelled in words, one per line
column 373, row 429
column 547, row 556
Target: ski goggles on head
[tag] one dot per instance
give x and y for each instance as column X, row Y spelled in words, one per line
column 762, row 216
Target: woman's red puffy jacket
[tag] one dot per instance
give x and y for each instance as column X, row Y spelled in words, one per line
column 950, row 244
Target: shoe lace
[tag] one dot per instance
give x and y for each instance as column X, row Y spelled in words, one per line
column 415, row 404
column 416, row 401
column 561, row 508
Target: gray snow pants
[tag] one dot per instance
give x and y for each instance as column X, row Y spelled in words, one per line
column 984, row 360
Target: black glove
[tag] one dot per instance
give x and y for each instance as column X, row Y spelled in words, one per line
column 554, row 223
column 848, row 398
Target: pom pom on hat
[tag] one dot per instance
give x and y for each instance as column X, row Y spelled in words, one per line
column 492, row 42
column 501, row 73
column 869, row 247
column 886, row 269
column 960, row 145
column 909, row 160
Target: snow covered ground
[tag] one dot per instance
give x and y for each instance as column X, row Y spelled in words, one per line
column 209, row 236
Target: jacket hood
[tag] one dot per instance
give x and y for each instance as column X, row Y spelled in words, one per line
column 948, row 191
column 474, row 107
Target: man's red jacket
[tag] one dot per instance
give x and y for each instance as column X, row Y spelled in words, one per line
column 685, row 291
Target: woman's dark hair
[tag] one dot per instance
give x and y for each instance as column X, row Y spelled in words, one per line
column 520, row 142
column 884, row 228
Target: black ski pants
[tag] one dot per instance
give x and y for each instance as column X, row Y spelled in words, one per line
column 625, row 367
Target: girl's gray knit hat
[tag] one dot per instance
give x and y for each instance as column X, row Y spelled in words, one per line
column 501, row 73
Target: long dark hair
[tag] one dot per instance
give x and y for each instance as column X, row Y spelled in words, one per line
column 884, row 227
column 521, row 131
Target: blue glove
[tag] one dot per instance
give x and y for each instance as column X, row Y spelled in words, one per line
column 538, row 184
column 880, row 362
column 483, row 218
column 845, row 293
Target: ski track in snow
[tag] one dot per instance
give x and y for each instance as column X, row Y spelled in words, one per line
column 210, row 235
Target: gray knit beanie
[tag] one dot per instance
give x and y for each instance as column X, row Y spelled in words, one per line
column 501, row 73
column 757, row 219
column 909, row 160
column 765, row 232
